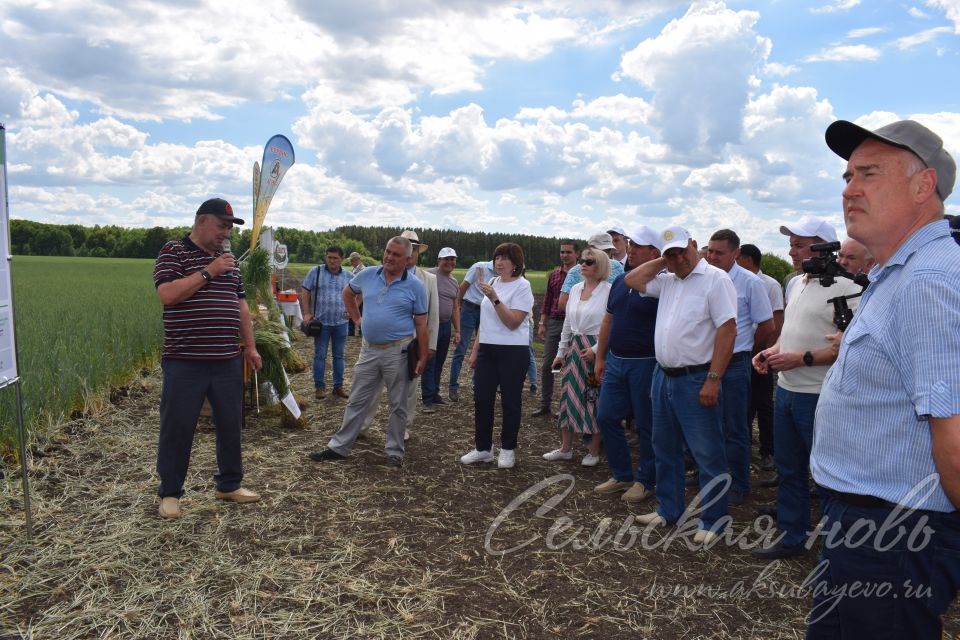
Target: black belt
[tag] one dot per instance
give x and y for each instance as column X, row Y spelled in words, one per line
column 740, row 354
column 473, row 305
column 685, row 371
column 866, row 502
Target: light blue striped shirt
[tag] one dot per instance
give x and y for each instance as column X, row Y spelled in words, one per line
column 753, row 306
column 327, row 298
column 899, row 364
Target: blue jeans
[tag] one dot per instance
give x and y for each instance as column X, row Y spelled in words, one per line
column 337, row 334
column 678, row 416
column 469, row 321
column 930, row 566
column 793, row 415
column 735, row 395
column 430, row 381
column 626, row 385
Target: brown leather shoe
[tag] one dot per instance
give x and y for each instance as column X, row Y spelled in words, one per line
column 170, row 508
column 319, row 393
column 340, row 392
column 240, row 495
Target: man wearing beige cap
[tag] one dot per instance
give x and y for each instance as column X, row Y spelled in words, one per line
column 357, row 265
column 693, row 341
column 886, row 450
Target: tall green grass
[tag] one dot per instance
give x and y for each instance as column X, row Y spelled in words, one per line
column 82, row 324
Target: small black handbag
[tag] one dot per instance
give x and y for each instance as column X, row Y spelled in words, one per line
column 312, row 328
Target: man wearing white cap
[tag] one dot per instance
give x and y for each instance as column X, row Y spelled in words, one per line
column 695, row 331
column 887, row 432
column 449, row 328
column 801, row 356
column 619, row 239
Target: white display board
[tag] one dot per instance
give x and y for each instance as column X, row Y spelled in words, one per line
column 8, row 351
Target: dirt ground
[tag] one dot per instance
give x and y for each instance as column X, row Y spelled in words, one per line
column 355, row 549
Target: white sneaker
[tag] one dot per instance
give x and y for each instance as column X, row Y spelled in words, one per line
column 476, row 456
column 653, row 518
column 558, row 454
column 704, row 537
column 590, row 460
column 506, row 459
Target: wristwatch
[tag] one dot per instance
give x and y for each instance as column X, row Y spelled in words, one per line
column 205, row 275
column 808, row 359
column 496, row 302
column 713, row 375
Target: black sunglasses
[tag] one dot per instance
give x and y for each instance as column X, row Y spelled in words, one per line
column 589, row 262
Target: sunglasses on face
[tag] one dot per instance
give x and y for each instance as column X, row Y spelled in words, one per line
column 589, row 262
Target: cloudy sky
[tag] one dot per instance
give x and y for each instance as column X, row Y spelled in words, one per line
column 553, row 117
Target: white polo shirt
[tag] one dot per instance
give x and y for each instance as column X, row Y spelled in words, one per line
column 774, row 291
column 689, row 313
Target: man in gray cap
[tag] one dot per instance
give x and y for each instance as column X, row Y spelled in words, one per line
column 887, row 438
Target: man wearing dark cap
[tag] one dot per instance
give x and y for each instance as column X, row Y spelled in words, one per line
column 886, row 450
column 205, row 320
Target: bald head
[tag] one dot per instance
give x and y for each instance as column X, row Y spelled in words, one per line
column 854, row 257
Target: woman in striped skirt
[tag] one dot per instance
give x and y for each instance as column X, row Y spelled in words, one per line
column 579, row 392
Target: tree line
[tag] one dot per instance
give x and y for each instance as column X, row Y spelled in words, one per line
column 42, row 239
column 109, row 241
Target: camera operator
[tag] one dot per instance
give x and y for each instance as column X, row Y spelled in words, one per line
column 802, row 356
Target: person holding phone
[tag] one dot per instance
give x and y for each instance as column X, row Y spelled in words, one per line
column 581, row 325
column 500, row 355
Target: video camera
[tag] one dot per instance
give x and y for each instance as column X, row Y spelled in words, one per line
column 827, row 269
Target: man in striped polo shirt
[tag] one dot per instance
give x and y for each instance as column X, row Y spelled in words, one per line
column 204, row 322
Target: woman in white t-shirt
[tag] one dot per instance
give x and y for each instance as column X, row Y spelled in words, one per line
column 500, row 355
column 581, row 326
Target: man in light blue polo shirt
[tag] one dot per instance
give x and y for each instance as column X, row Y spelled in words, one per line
column 470, row 298
column 395, row 309
column 887, row 430
column 755, row 329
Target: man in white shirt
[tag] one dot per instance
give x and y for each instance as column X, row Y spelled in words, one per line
column 694, row 337
column 619, row 238
column 801, row 357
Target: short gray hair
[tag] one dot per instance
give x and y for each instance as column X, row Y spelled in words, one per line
column 407, row 245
